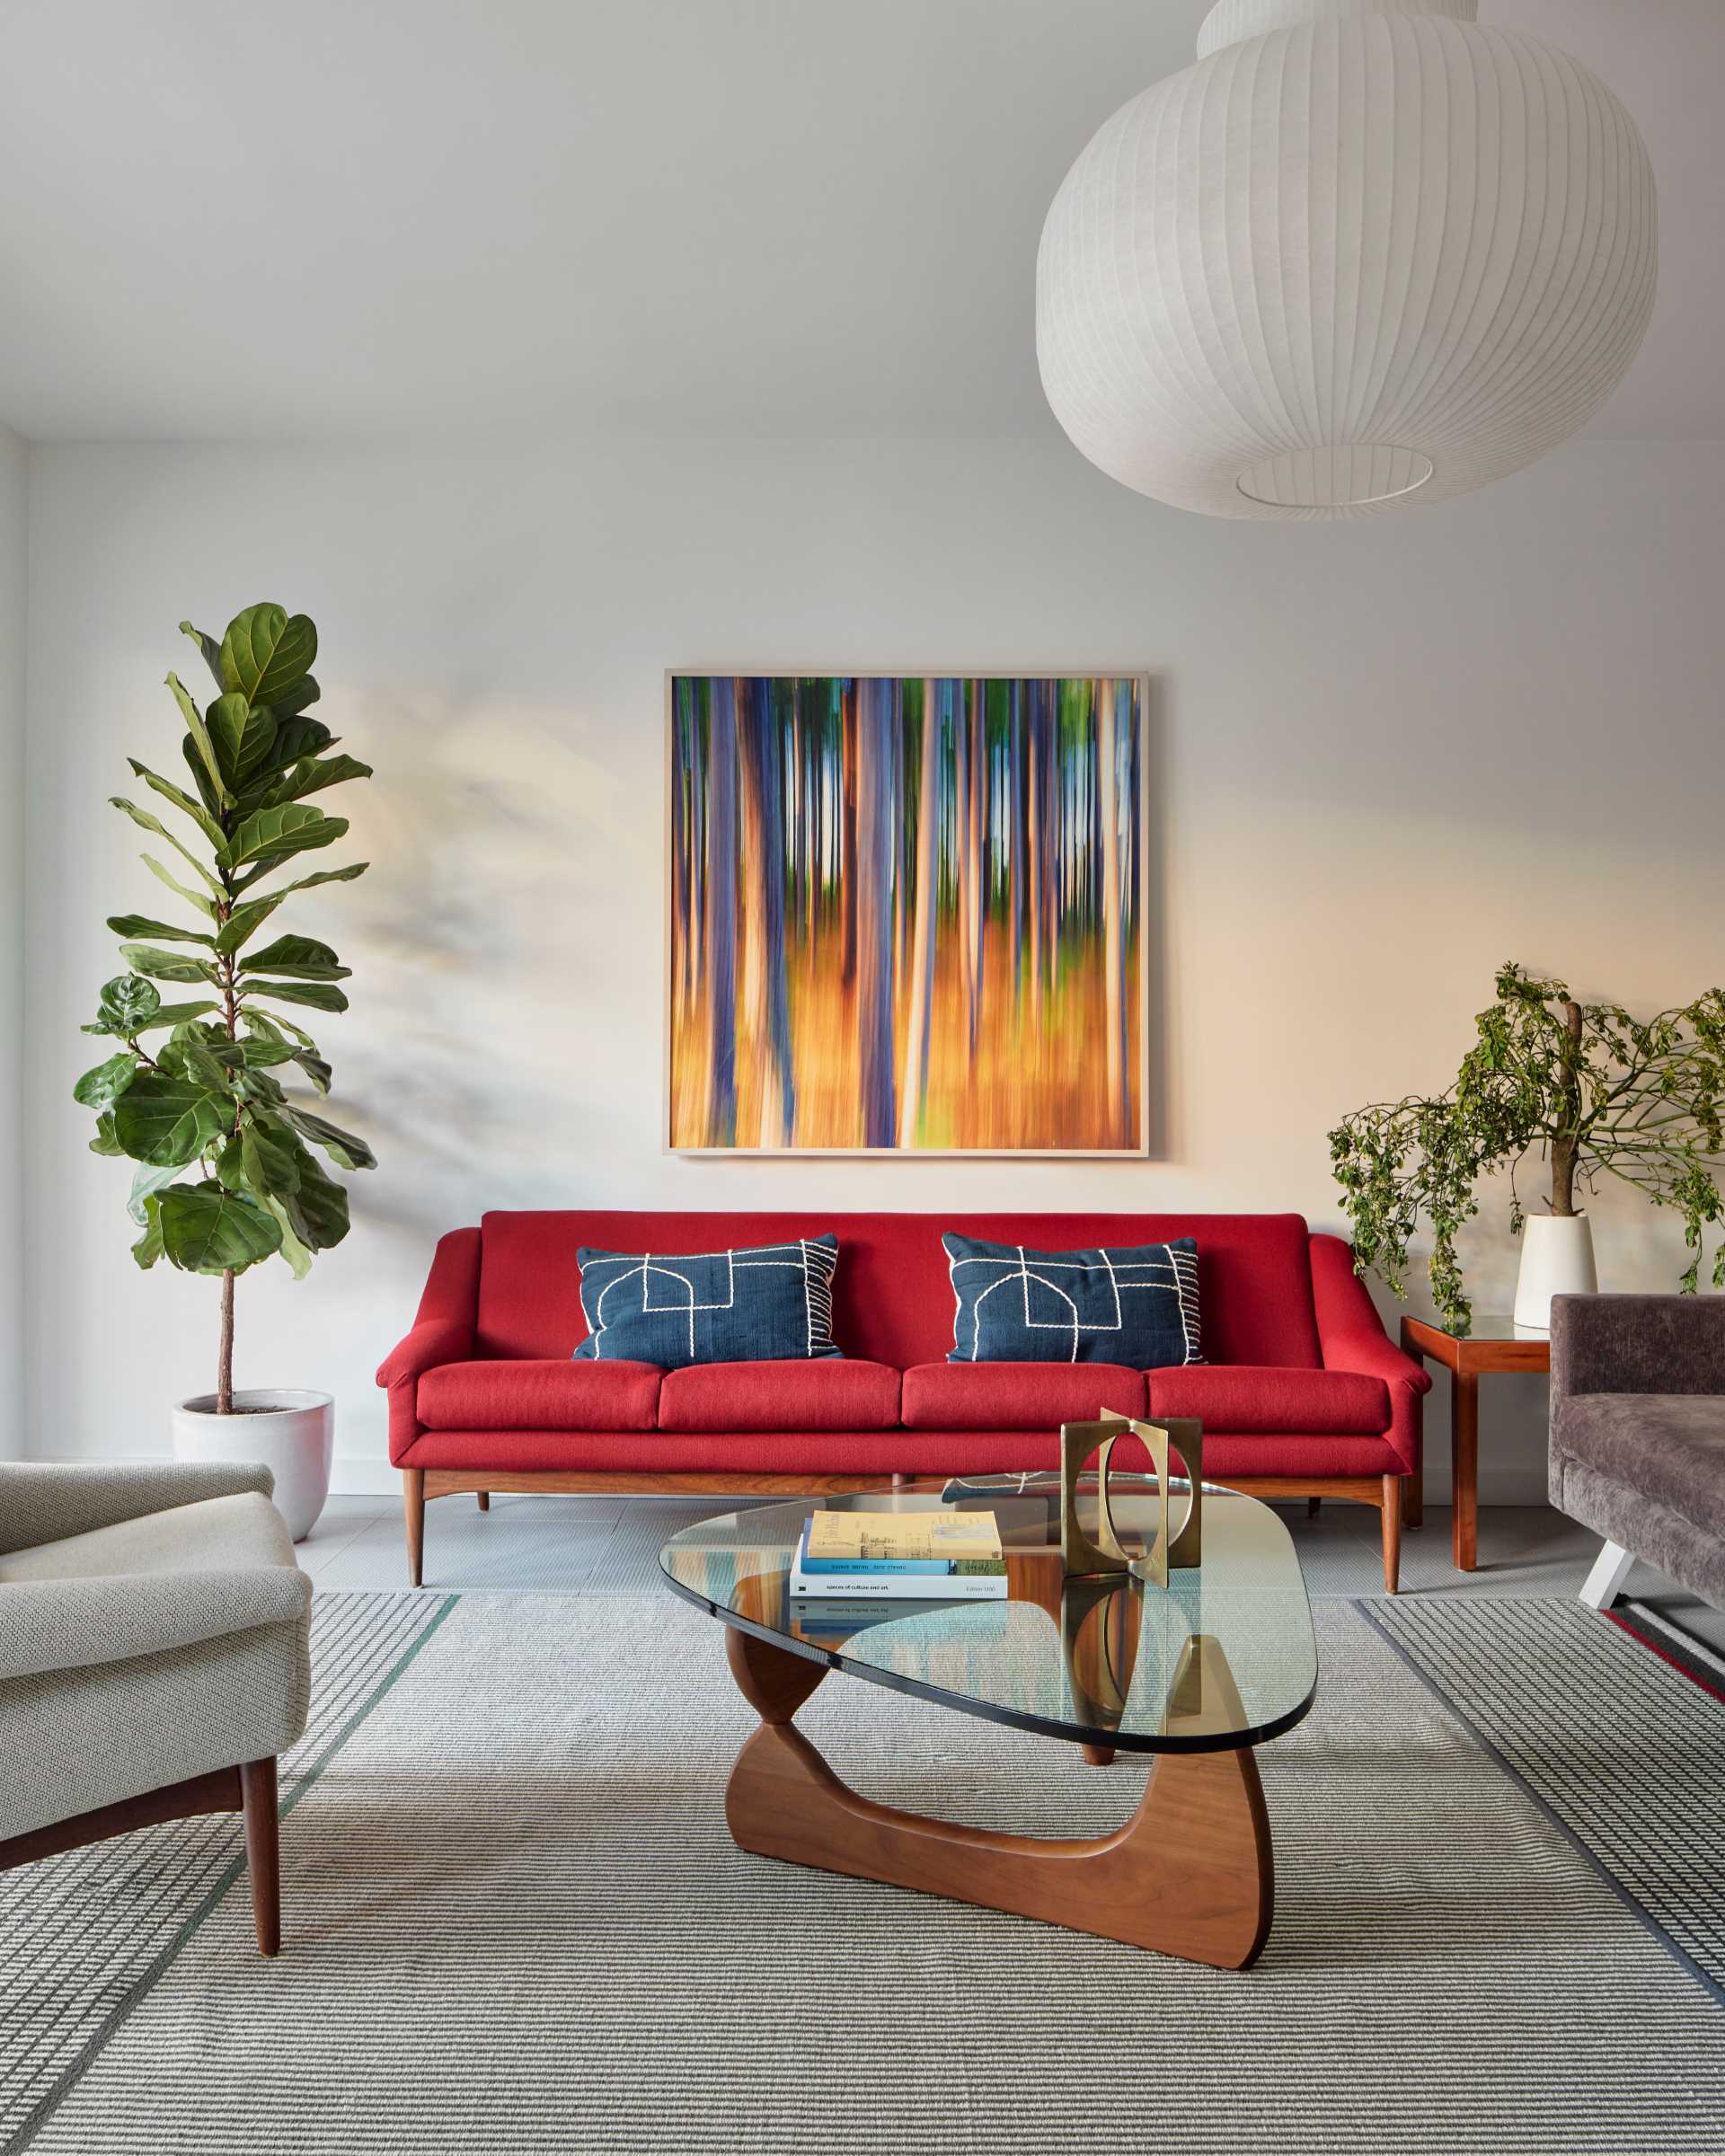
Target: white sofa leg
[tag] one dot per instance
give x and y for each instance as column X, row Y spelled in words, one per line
column 1610, row 1569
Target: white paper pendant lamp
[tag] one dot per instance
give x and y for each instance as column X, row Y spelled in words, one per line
column 1366, row 253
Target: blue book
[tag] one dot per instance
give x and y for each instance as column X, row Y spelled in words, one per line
column 871, row 1567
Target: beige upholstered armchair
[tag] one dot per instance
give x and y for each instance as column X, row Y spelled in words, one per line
column 155, row 1656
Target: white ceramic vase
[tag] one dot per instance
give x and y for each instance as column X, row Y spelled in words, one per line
column 1556, row 1259
column 293, row 1433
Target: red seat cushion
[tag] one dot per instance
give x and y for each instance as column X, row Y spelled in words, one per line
column 847, row 1395
column 560, row 1395
column 1249, row 1398
column 1017, row 1396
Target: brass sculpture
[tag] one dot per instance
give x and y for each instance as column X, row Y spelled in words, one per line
column 1104, row 1557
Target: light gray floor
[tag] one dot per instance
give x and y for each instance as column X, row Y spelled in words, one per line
column 610, row 1546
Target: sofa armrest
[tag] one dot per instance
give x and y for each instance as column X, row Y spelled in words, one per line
column 51, row 1624
column 45, row 1501
column 449, row 1313
column 435, row 1340
column 1351, row 1333
column 1637, row 1344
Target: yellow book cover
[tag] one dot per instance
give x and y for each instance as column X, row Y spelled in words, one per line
column 921, row 1535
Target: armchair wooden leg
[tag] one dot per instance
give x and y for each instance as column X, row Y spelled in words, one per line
column 1392, row 1533
column 413, row 1508
column 263, row 1850
column 485, row 1496
column 1311, row 1505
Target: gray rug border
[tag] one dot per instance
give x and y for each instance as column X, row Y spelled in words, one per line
column 147, row 1978
column 1645, row 1916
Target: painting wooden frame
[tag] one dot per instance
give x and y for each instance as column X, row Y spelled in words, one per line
column 887, row 709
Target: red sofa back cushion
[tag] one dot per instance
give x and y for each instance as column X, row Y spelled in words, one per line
column 893, row 1297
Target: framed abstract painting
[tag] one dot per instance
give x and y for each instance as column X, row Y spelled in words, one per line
column 907, row 914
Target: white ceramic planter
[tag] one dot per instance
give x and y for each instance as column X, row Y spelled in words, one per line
column 1556, row 1259
column 295, row 1439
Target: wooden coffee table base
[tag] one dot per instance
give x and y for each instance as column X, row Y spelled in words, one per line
column 1189, row 1873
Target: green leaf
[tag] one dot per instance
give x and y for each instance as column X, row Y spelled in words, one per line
column 246, row 919
column 271, row 834
column 127, row 1002
column 299, row 1258
column 210, row 649
column 105, row 1142
column 205, row 1229
column 187, row 1057
column 141, row 924
column 102, row 1086
column 273, row 1155
column 297, row 738
column 347, row 874
column 182, row 800
column 176, row 1014
column 145, row 1183
column 167, row 965
column 146, row 822
column 200, row 734
column 288, row 704
column 243, row 734
column 209, row 792
column 276, row 1029
column 266, row 651
column 256, row 1085
column 191, row 896
column 342, row 1147
column 317, row 993
column 167, row 1121
column 148, row 1249
column 300, row 957
column 312, row 774
column 258, row 1053
column 317, row 1208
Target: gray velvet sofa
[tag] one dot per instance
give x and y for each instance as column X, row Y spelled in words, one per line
column 1638, row 1434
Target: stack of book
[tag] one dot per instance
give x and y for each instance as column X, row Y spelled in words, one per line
column 899, row 1556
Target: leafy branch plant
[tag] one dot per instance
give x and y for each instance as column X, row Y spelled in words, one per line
column 1592, row 1090
column 225, row 1177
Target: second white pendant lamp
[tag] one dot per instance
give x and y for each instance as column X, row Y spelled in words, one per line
column 1366, row 253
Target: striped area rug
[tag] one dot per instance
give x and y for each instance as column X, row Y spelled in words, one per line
column 515, row 1922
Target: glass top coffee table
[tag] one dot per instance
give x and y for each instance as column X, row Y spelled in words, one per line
column 1199, row 1672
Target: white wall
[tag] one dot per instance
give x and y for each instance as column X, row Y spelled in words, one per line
column 1391, row 754
column 14, row 589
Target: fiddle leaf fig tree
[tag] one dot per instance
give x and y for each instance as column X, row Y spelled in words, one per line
column 1590, row 1090
column 195, row 1092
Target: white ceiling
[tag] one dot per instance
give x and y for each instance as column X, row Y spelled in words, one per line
column 226, row 218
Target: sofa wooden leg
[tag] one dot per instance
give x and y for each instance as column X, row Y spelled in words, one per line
column 485, row 1496
column 1392, row 1533
column 413, row 1511
column 263, row 1850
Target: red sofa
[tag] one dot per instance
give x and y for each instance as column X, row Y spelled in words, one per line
column 1301, row 1394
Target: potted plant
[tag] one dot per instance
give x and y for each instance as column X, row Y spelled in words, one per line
column 1594, row 1091
column 197, row 1093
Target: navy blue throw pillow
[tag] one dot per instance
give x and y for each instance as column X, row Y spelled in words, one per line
column 1138, row 1306
column 724, row 1306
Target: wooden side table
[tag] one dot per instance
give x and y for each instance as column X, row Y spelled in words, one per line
column 1495, row 1345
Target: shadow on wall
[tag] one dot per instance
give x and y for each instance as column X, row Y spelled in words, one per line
column 493, row 954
